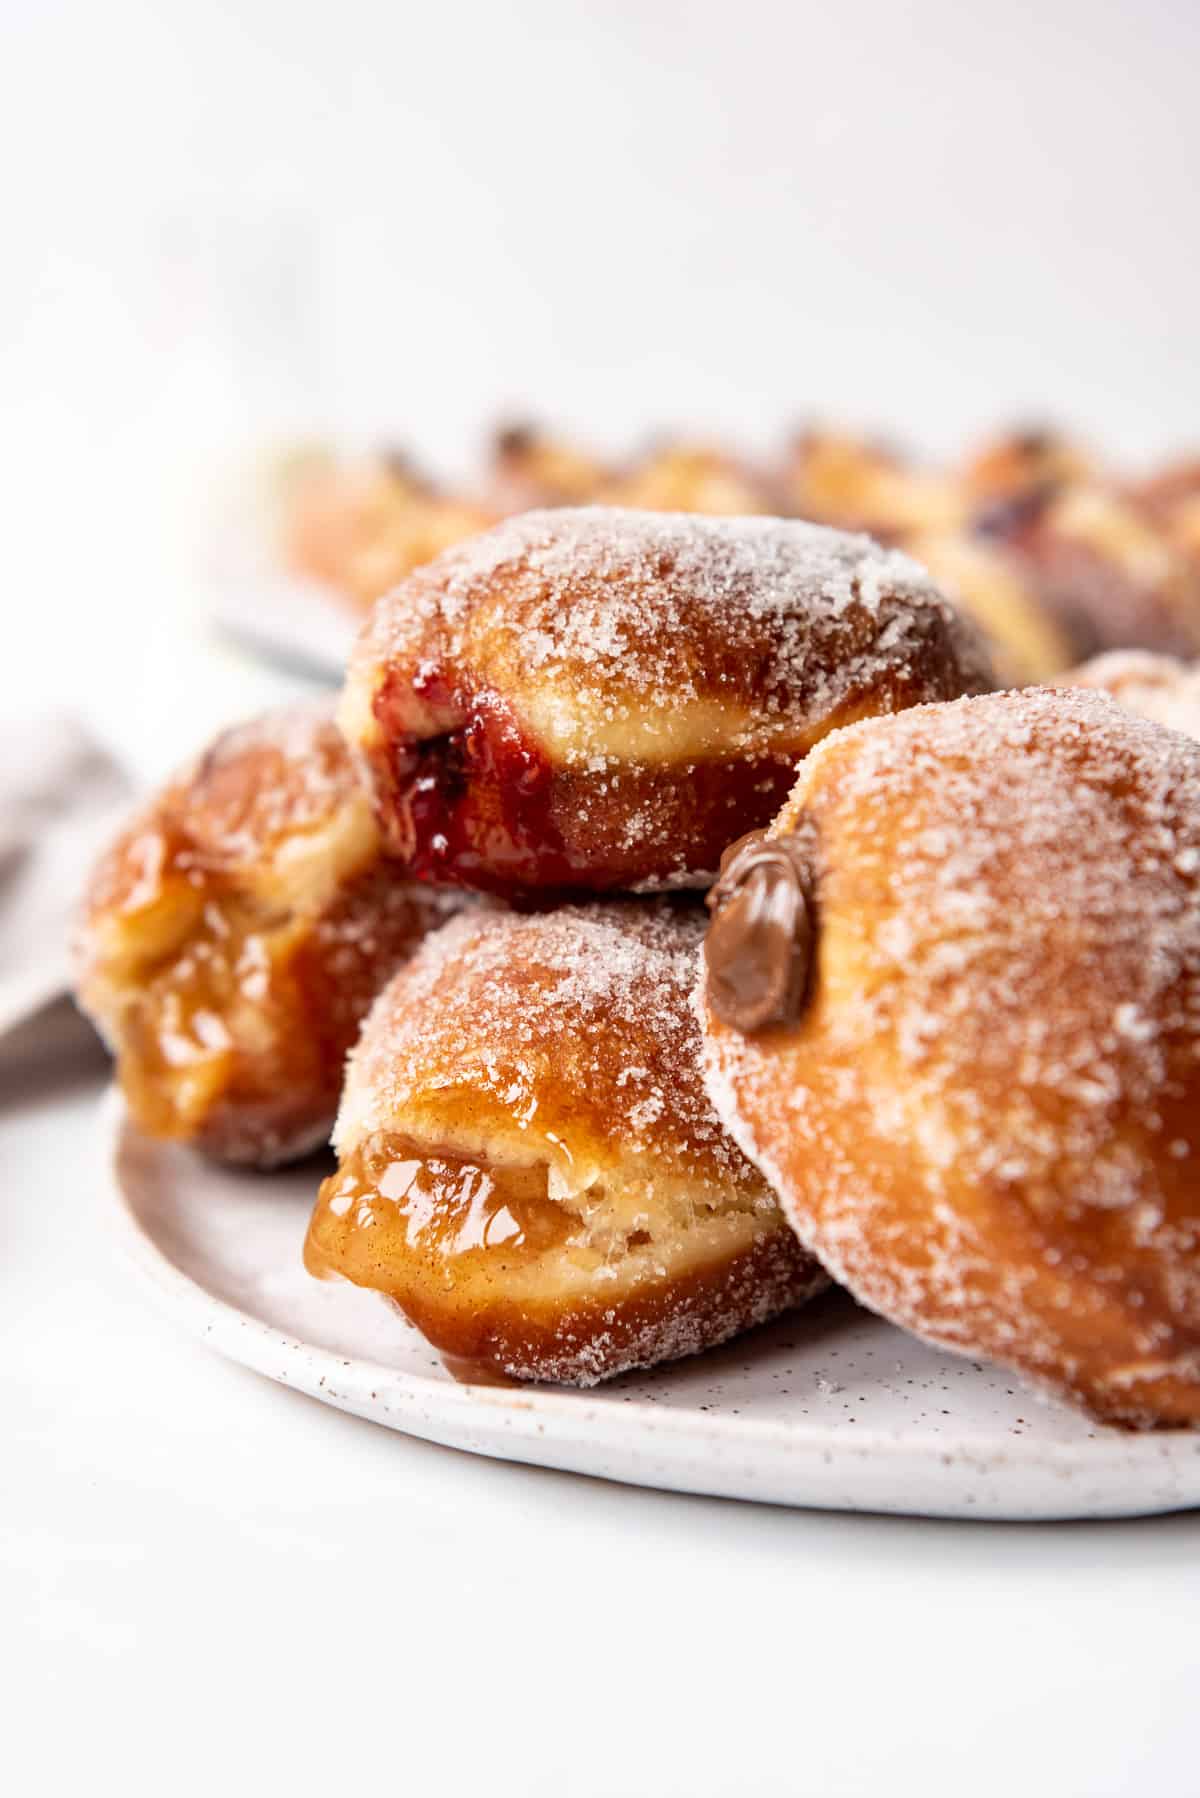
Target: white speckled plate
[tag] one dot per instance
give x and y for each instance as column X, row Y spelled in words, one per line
column 830, row 1407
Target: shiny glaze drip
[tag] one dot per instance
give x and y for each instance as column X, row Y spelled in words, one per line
column 179, row 1050
column 257, row 1009
column 414, row 1201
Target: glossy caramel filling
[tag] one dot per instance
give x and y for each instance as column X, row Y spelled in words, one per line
column 398, row 1211
column 398, row 1200
column 206, row 1023
column 505, row 1279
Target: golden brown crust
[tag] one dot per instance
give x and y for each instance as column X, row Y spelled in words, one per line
column 602, row 700
column 986, row 1122
column 542, row 1071
column 258, row 788
column 235, row 934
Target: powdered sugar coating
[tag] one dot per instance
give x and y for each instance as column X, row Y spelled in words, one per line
column 754, row 1289
column 643, row 609
column 987, row 1121
column 563, row 1045
column 1157, row 687
column 576, row 1021
column 600, row 700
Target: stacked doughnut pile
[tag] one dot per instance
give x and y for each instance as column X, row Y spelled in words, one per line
column 935, row 1034
column 1057, row 556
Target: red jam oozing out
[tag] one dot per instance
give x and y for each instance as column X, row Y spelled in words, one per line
column 478, row 805
column 472, row 806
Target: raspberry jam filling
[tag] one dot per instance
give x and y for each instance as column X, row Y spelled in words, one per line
column 481, row 805
column 399, row 1199
column 471, row 806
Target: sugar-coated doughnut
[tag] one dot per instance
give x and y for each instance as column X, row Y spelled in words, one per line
column 529, row 1166
column 1156, row 687
column 235, row 933
column 979, row 1102
column 602, row 700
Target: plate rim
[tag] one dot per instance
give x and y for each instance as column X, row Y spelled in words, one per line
column 405, row 1394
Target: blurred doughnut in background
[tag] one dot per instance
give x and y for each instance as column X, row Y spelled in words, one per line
column 1052, row 551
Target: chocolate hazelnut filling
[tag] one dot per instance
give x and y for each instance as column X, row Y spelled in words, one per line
column 759, row 945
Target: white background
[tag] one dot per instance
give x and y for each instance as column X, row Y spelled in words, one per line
column 233, row 220
column 224, row 223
